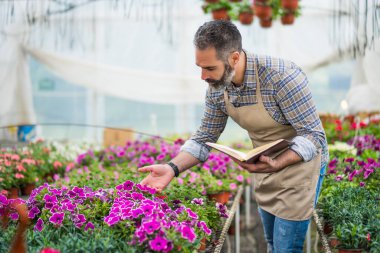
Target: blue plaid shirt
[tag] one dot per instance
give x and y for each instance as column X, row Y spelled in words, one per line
column 286, row 97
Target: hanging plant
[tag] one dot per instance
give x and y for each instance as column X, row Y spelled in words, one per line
column 220, row 10
column 289, row 4
column 246, row 14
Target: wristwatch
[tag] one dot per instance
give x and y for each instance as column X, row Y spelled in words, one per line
column 175, row 168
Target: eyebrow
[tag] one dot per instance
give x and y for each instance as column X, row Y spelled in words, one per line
column 206, row 67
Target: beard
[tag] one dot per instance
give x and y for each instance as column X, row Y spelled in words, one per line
column 226, row 78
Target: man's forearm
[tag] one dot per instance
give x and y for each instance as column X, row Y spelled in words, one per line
column 185, row 161
column 287, row 158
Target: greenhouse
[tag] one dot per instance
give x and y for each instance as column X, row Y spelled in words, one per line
column 247, row 126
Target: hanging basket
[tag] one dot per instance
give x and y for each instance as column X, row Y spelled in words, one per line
column 220, row 14
column 288, row 19
column 289, row 4
column 246, row 18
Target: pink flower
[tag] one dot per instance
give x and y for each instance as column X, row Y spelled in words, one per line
column 180, row 181
column 18, row 175
column 219, row 182
column 240, row 178
column 233, row 186
column 57, row 164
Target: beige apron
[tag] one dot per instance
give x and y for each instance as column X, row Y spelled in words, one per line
column 289, row 193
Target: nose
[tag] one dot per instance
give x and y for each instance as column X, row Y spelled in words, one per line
column 204, row 75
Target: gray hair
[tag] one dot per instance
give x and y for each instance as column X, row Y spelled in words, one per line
column 222, row 35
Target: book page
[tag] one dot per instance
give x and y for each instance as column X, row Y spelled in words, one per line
column 261, row 148
column 235, row 153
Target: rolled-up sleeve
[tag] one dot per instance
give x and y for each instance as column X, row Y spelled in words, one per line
column 213, row 123
column 294, row 98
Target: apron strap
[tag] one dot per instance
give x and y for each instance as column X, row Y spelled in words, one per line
column 258, row 91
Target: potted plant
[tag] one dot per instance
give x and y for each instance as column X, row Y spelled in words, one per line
column 263, row 10
column 245, row 13
column 289, row 4
column 219, row 10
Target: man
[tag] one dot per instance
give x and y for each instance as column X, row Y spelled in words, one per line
column 270, row 99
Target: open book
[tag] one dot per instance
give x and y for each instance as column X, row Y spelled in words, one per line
column 253, row 155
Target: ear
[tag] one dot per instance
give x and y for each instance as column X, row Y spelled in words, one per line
column 234, row 58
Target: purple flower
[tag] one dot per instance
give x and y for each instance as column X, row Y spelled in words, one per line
column 14, row 216
column 151, row 226
column 332, row 163
column 137, row 196
column 352, row 174
column 362, row 184
column 126, row 186
column 50, row 199
column 33, row 212
column 136, row 213
column 205, row 228
column 367, row 173
column 89, row 225
column 39, row 225
column 338, row 178
column 197, row 201
column 191, row 214
column 111, row 220
column 3, row 200
column 349, row 160
column 147, row 209
column 188, row 233
column 57, row 218
column 158, row 244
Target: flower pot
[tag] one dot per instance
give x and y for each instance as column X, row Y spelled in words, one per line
column 221, row 198
column 266, row 23
column 246, row 18
column 289, row 4
column 334, row 242
column 263, row 11
column 13, row 193
column 327, row 228
column 350, row 250
column 27, row 189
column 203, row 244
column 220, row 14
column 288, row 19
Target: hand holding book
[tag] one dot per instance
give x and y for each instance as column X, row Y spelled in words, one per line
column 253, row 155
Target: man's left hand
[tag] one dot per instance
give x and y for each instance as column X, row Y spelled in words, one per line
column 265, row 165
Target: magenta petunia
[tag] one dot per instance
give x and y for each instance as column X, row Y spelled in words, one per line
column 188, row 233
column 158, row 244
column 50, row 199
column 14, row 216
column 151, row 226
column 137, row 196
column 33, row 212
column 136, row 213
column 88, row 226
column 57, row 218
column 191, row 214
column 39, row 225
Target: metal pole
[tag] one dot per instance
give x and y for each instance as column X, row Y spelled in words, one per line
column 308, row 239
column 247, row 206
column 237, row 229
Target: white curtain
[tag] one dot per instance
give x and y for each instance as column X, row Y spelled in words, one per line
column 16, row 105
column 364, row 93
column 130, row 84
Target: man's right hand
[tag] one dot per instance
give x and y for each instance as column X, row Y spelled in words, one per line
column 159, row 176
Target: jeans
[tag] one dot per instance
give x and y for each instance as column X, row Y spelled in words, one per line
column 287, row 236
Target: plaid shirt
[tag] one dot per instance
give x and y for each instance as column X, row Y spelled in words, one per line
column 286, row 97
